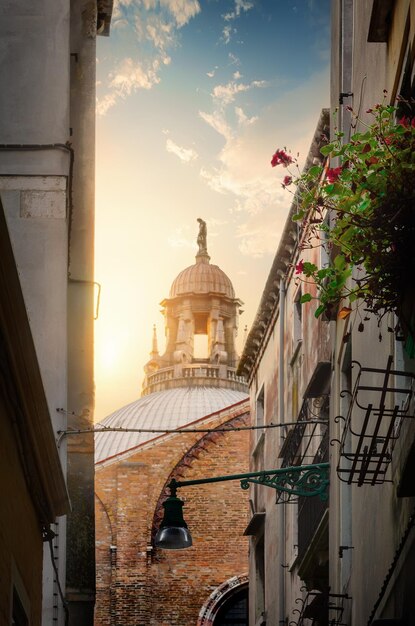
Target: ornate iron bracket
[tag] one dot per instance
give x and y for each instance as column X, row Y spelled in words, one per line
column 300, row 480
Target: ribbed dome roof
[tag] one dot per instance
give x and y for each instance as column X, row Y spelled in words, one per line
column 202, row 277
column 164, row 409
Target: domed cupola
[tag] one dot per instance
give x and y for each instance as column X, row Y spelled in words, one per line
column 202, row 278
column 201, row 321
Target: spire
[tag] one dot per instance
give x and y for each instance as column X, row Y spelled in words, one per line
column 155, row 351
column 245, row 334
column 202, row 256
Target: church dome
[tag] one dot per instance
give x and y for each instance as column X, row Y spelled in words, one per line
column 202, row 278
column 163, row 409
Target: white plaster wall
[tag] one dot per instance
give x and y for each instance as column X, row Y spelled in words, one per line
column 34, row 46
column 35, row 209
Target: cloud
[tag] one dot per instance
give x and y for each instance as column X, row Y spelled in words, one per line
column 240, row 5
column 257, row 238
column 150, row 31
column 106, row 103
column 226, row 93
column 184, row 154
column 226, row 34
column 243, row 119
column 130, row 76
column 212, row 72
column 233, row 59
column 218, row 122
column 182, row 10
column 222, row 96
column 242, row 170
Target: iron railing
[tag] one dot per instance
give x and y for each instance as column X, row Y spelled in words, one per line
column 380, row 401
column 317, row 607
column 296, row 446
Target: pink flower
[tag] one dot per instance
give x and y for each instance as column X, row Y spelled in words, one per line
column 281, row 158
column 299, row 268
column 287, row 181
column 333, row 173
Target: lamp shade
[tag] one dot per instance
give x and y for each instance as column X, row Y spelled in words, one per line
column 173, row 533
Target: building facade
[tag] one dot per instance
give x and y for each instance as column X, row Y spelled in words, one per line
column 341, row 389
column 32, row 482
column 47, row 112
column 192, row 384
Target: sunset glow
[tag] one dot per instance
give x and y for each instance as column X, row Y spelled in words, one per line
column 193, row 97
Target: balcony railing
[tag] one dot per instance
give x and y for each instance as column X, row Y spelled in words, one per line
column 295, row 449
column 319, row 608
column 194, row 371
column 380, row 401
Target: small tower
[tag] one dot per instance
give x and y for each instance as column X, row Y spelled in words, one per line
column 201, row 305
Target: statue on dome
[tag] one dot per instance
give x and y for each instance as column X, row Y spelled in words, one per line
column 202, row 236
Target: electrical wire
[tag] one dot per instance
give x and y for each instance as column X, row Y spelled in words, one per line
column 119, row 429
column 48, row 536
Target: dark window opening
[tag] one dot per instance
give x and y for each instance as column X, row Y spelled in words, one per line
column 406, row 91
column 234, row 610
column 19, row 617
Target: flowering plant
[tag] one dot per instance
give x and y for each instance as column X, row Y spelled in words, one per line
column 363, row 212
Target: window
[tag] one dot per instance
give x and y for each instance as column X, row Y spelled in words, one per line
column 200, row 346
column 297, row 321
column 406, row 87
column 259, row 412
column 259, row 578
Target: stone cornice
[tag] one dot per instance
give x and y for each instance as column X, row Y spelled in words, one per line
column 268, row 308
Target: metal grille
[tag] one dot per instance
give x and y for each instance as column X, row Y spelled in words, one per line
column 380, row 400
column 296, row 446
column 320, row 608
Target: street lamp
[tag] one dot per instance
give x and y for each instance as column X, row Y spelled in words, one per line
column 300, row 480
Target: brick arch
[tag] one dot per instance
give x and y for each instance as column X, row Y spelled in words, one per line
column 218, row 597
column 187, row 460
column 107, row 515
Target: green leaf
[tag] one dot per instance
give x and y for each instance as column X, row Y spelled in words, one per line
column 319, row 310
column 325, row 150
column 306, row 297
column 339, row 262
column 298, row 216
column 315, row 170
column 309, row 268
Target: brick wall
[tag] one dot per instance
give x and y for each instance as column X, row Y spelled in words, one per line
column 138, row 585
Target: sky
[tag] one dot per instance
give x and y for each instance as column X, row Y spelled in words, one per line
column 193, row 98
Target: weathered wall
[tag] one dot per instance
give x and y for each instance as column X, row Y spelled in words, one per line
column 154, row 587
column 372, row 67
column 47, row 116
column 80, row 570
column 34, row 112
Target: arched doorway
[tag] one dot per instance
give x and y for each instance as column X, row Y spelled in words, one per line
column 234, row 611
column 227, row 605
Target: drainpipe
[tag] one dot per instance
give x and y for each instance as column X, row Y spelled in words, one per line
column 281, row 507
